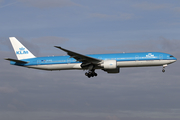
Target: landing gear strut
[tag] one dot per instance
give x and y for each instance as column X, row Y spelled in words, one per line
column 163, row 70
column 91, row 72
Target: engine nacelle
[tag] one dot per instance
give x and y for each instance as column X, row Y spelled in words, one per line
column 110, row 64
column 113, row 70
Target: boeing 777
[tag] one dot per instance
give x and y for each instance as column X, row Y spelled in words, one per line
column 111, row 63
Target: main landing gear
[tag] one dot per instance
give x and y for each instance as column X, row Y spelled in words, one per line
column 91, row 72
column 163, row 70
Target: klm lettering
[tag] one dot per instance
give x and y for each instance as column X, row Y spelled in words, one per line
column 21, row 52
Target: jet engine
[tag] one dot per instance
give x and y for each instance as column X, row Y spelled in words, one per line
column 110, row 66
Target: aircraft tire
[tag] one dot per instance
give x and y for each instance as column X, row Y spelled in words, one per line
column 95, row 74
column 86, row 74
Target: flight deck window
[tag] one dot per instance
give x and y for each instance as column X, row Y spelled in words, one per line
column 171, row 56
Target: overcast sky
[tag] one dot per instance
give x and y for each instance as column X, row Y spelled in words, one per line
column 87, row 27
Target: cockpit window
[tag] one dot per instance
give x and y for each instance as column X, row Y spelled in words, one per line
column 171, row 56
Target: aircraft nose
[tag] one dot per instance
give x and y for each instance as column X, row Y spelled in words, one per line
column 175, row 58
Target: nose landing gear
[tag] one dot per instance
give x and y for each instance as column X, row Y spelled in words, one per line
column 163, row 70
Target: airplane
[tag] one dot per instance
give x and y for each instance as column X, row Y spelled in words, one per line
column 110, row 63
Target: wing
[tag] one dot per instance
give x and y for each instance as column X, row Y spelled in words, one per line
column 80, row 57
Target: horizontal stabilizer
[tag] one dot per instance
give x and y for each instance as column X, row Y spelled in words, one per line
column 17, row 61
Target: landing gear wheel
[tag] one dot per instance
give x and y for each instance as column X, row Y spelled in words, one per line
column 86, row 74
column 90, row 74
column 163, row 70
column 95, row 74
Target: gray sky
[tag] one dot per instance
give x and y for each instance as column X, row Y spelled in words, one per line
column 95, row 26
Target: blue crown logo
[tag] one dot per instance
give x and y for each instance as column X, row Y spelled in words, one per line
column 22, row 48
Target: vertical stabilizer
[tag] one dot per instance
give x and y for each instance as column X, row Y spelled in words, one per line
column 20, row 51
